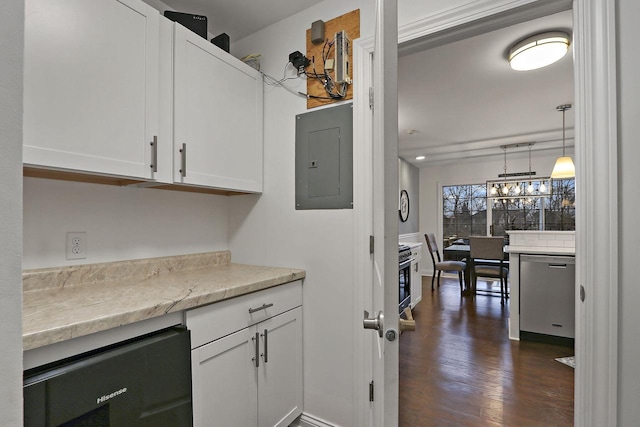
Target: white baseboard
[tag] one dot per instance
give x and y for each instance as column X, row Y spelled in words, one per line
column 306, row 420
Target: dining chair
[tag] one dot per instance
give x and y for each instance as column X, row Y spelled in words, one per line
column 439, row 265
column 487, row 260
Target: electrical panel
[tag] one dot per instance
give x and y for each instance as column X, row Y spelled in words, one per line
column 324, row 158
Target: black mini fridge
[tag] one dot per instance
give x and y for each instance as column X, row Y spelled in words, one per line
column 141, row 382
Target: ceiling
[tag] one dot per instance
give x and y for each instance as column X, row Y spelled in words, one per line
column 239, row 18
column 459, row 100
column 462, row 100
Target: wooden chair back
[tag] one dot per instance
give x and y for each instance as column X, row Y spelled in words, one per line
column 433, row 247
column 490, row 248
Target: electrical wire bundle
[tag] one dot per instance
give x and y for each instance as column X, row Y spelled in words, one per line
column 300, row 63
column 334, row 91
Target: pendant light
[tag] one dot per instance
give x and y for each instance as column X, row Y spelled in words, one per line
column 505, row 187
column 530, row 186
column 564, row 167
column 513, row 186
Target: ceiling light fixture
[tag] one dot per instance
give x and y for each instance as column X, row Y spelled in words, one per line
column 564, row 167
column 420, row 157
column 539, row 51
column 517, row 185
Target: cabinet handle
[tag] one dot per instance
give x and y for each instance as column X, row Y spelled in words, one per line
column 256, row 342
column 154, row 154
column 266, row 346
column 557, row 265
column 183, row 160
column 262, row 307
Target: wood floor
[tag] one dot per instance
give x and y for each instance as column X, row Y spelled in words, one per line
column 459, row 367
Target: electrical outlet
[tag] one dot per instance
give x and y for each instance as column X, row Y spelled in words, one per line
column 77, row 245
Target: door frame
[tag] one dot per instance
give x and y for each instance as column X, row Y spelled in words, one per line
column 596, row 374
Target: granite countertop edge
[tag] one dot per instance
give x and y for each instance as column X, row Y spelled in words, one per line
column 59, row 313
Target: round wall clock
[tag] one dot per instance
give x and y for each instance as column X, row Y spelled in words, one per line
column 404, row 205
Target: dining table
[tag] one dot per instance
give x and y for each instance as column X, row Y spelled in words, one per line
column 462, row 252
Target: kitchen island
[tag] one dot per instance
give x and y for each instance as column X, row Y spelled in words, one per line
column 61, row 306
column 551, row 243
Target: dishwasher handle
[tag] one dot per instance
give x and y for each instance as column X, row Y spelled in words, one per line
column 553, row 261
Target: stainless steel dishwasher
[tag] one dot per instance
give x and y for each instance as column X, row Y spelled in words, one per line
column 547, row 295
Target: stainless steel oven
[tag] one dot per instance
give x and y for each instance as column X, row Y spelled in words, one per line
column 404, row 280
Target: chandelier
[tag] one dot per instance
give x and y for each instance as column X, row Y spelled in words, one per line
column 518, row 185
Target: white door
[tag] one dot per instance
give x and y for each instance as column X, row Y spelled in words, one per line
column 385, row 214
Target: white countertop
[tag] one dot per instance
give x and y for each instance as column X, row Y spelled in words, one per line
column 67, row 302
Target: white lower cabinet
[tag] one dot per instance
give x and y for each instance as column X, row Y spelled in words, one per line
column 416, row 274
column 251, row 376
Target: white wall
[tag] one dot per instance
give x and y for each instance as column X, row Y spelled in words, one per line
column 121, row 222
column 268, row 230
column 11, row 47
column 409, row 177
column 629, row 235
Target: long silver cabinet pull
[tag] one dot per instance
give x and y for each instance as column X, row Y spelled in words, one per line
column 154, row 154
column 262, row 307
column 256, row 342
column 266, row 346
column 183, row 160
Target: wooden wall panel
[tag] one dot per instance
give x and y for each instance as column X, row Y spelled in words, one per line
column 349, row 22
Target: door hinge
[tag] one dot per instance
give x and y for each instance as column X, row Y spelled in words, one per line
column 371, row 389
column 371, row 244
column 371, row 98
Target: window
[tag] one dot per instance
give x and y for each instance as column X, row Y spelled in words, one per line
column 560, row 209
column 465, row 210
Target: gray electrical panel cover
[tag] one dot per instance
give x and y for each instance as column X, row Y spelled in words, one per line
column 324, row 158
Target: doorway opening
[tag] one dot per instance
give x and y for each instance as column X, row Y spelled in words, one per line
column 461, row 150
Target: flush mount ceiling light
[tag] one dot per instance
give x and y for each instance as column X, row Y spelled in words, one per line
column 420, row 157
column 538, row 51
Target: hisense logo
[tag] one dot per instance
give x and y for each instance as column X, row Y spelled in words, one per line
column 200, row 18
column 106, row 397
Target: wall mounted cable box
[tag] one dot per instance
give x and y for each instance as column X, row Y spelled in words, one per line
column 196, row 23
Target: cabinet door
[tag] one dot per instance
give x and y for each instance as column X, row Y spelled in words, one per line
column 218, row 116
column 224, row 381
column 280, row 371
column 416, row 284
column 91, row 85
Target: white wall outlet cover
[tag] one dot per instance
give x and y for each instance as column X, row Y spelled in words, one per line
column 76, row 245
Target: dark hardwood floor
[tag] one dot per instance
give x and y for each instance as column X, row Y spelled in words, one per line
column 459, row 368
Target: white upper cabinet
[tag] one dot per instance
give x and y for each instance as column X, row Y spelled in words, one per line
column 91, row 86
column 217, row 117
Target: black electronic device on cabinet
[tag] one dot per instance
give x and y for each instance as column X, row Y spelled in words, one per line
column 222, row 41
column 196, row 23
